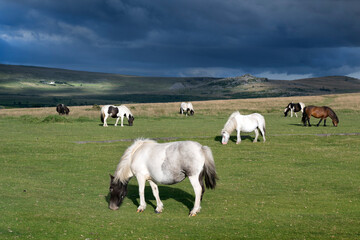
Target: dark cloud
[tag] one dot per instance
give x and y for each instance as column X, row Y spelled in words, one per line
column 184, row 38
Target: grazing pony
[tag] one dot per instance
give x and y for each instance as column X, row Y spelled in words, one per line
column 294, row 108
column 116, row 112
column 187, row 107
column 62, row 109
column 319, row 112
column 245, row 123
column 164, row 163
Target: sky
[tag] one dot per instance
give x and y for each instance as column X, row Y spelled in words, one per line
column 277, row 39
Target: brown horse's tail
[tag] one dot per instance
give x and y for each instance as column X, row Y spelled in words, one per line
column 304, row 116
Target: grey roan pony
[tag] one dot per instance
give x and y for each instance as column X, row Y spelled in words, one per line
column 164, row 163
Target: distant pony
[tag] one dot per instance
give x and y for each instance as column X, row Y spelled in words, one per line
column 294, row 108
column 187, row 107
column 116, row 112
column 319, row 112
column 163, row 163
column 62, row 109
column 245, row 123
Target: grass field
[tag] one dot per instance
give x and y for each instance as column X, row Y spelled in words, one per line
column 297, row 185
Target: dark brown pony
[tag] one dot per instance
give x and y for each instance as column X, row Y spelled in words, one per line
column 319, row 112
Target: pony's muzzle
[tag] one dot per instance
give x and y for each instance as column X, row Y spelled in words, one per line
column 113, row 207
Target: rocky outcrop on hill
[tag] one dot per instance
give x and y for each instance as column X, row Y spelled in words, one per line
column 236, row 81
column 247, row 78
column 218, row 83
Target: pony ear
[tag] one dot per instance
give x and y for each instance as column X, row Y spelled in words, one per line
column 111, row 177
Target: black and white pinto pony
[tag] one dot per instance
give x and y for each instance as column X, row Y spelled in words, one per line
column 118, row 112
column 294, row 108
column 186, row 107
column 244, row 123
column 163, row 163
column 62, row 109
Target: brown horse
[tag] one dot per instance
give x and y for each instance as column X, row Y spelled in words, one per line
column 319, row 112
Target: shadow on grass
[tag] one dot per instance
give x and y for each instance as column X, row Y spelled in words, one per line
column 113, row 124
column 296, row 124
column 165, row 193
column 234, row 138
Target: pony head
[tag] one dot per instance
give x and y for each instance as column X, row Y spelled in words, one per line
column 335, row 121
column 118, row 192
column 288, row 108
column 225, row 137
column 333, row 116
column 286, row 111
column 131, row 119
column 192, row 112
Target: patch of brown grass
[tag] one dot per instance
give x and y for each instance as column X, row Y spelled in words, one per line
column 214, row 107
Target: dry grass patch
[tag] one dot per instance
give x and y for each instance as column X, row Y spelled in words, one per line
column 214, row 107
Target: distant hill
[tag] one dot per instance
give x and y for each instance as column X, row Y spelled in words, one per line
column 26, row 86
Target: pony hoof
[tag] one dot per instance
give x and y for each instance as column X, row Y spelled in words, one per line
column 192, row 214
column 158, row 212
column 140, row 210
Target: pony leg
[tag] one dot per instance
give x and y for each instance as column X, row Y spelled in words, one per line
column 325, row 122
column 319, row 122
column 194, row 180
column 105, row 122
column 116, row 123
column 291, row 113
column 256, row 135
column 295, row 114
column 122, row 121
column 238, row 137
column 141, row 182
column 155, row 190
column 263, row 133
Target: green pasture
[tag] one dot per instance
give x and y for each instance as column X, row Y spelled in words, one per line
column 298, row 185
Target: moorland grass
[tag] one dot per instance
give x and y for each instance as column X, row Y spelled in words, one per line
column 297, row 185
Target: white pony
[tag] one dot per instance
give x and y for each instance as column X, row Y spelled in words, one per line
column 294, row 107
column 164, row 163
column 116, row 112
column 187, row 107
column 245, row 123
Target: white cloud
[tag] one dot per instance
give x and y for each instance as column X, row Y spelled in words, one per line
column 26, row 36
column 354, row 75
column 283, row 76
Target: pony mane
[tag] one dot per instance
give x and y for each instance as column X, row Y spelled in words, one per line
column 123, row 170
column 333, row 115
column 230, row 125
column 125, row 110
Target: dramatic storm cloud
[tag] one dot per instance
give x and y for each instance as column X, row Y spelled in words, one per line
column 279, row 39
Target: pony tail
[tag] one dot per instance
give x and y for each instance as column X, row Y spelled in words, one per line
column 303, row 119
column 102, row 117
column 209, row 168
